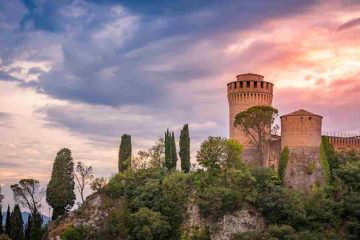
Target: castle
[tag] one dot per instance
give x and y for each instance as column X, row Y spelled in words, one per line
column 301, row 132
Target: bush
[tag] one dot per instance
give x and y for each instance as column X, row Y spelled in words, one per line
column 217, row 201
column 146, row 224
column 266, row 179
column 310, row 168
column 283, row 206
column 72, row 233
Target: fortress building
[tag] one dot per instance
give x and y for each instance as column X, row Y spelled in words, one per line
column 247, row 91
column 301, row 132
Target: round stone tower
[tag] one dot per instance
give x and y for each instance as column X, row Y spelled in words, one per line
column 247, row 91
column 301, row 129
column 301, row 133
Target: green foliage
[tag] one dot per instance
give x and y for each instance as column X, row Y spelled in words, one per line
column 125, row 153
column 60, row 190
column 35, row 225
column 283, row 161
column 170, row 151
column 72, row 233
column 16, row 232
column 146, row 224
column 266, row 179
column 165, row 193
column 331, row 155
column 8, row 221
column 310, row 168
column 218, row 154
column 116, row 224
column 197, row 233
column 283, row 206
column 1, row 221
column 325, row 169
column 212, row 153
column 184, row 152
column 217, row 201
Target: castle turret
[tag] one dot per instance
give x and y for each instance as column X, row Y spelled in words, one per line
column 301, row 133
column 301, row 129
column 247, row 91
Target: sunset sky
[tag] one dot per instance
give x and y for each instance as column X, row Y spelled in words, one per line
column 79, row 74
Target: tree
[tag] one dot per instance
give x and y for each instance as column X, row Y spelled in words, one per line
column 28, row 193
column 184, row 151
column 1, row 221
column 28, row 228
column 60, row 190
column 83, row 177
column 153, row 158
column 35, row 225
column 256, row 123
column 168, row 152
column 174, row 157
column 1, row 218
column 146, row 224
column 16, row 232
column 212, row 154
column 8, row 222
column 125, row 153
column 97, row 184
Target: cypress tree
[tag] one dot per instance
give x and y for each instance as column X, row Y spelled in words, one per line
column 16, row 232
column 125, row 153
column 8, row 222
column 168, row 153
column 28, row 229
column 35, row 225
column 1, row 221
column 60, row 190
column 173, row 151
column 184, row 151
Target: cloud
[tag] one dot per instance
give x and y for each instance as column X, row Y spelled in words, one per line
column 350, row 24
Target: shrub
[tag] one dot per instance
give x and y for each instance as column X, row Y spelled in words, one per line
column 283, row 161
column 283, row 206
column 217, row 201
column 72, row 233
column 310, row 168
column 265, row 179
column 146, row 224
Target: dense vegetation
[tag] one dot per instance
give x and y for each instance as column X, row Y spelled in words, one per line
column 155, row 198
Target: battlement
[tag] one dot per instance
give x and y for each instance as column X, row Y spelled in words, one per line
column 250, row 86
column 343, row 141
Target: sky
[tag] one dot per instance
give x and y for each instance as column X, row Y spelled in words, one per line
column 79, row 74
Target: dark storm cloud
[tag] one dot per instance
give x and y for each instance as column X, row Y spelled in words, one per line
column 4, row 76
column 108, row 46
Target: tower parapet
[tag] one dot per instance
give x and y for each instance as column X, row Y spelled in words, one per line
column 247, row 91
